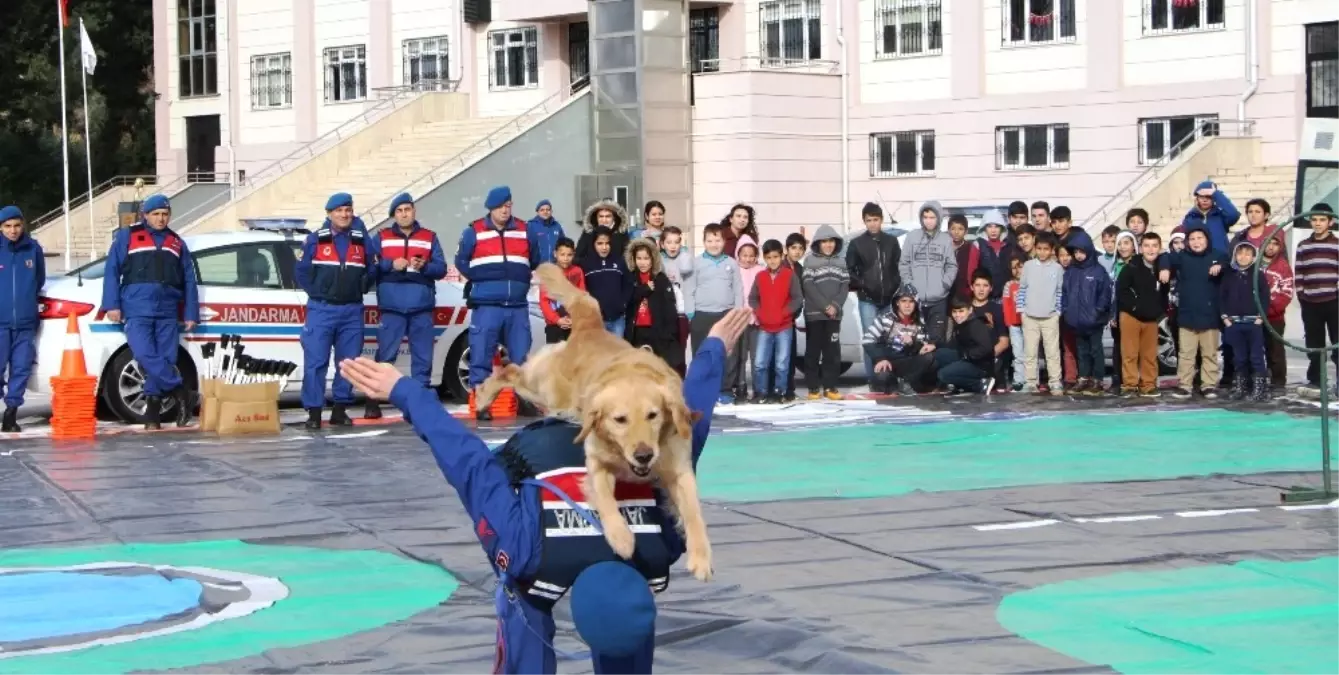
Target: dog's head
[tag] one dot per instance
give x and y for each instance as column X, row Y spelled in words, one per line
column 634, row 417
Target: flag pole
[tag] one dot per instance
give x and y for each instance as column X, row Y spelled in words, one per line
column 88, row 148
column 64, row 136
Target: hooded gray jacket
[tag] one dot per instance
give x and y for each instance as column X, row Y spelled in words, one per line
column 928, row 261
column 826, row 280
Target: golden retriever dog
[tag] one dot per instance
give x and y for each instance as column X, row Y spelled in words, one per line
column 635, row 425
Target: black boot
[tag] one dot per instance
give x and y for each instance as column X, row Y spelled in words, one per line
column 11, row 422
column 313, row 419
column 372, row 411
column 339, row 418
column 153, row 408
column 185, row 405
column 1260, row 388
column 1239, row 391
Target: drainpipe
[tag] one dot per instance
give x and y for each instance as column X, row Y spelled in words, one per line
column 846, row 120
column 1252, row 58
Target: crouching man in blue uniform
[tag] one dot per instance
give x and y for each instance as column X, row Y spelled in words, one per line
column 334, row 273
column 409, row 263
column 524, row 502
column 498, row 253
column 23, row 270
column 149, row 282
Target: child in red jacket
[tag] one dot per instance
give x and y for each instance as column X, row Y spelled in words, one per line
column 1279, row 280
column 1013, row 319
column 557, row 324
column 776, row 297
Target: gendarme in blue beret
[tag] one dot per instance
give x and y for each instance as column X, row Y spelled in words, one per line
column 497, row 197
column 10, row 213
column 337, row 200
column 542, row 203
column 156, row 203
column 613, row 608
column 400, row 200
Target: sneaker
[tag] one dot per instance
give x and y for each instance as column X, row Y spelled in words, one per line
column 987, row 386
column 1209, row 393
column 758, row 399
column 1150, row 393
column 1096, row 389
column 789, row 397
column 1181, row 393
column 772, row 400
column 814, row 396
column 1018, row 386
column 1043, row 389
column 725, row 399
column 1128, row 392
column 832, row 395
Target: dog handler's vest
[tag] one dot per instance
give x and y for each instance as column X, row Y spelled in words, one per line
column 148, row 263
column 546, row 451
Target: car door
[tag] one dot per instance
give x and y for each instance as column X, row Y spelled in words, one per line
column 247, row 290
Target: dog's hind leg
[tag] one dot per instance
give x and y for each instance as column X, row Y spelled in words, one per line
column 507, row 376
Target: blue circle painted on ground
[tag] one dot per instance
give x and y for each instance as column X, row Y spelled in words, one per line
column 45, row 605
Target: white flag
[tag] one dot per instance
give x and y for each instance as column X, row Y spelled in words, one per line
column 86, row 49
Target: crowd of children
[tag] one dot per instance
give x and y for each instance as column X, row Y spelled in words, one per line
column 1025, row 307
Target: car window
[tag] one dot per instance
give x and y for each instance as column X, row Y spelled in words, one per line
column 246, row 266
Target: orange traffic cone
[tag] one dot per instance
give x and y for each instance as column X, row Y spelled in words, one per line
column 74, row 392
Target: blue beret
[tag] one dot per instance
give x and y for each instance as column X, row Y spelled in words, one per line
column 156, row 202
column 337, row 200
column 497, row 197
column 613, row 608
column 10, row 213
column 400, row 200
column 542, row 203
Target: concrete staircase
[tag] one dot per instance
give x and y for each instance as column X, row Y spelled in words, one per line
column 86, row 239
column 1274, row 184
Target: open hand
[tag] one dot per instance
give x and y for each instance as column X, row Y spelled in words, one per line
column 883, row 366
column 730, row 327
column 399, row 264
column 373, row 379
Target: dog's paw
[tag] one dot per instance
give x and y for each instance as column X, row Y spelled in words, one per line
column 700, row 566
column 621, row 540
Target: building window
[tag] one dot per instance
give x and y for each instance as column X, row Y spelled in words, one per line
column 425, row 63
column 704, row 40
column 345, row 74
column 908, row 28
column 271, row 81
column 197, row 49
column 1322, row 70
column 1168, row 136
column 790, row 31
column 1036, row 146
column 1029, row 22
column 1177, row 16
column 578, row 54
column 515, row 63
column 904, row 153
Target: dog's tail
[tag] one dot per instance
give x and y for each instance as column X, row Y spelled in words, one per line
column 580, row 306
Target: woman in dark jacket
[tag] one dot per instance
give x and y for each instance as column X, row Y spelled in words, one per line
column 652, row 318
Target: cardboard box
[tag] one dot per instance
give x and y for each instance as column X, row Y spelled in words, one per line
column 246, row 408
column 209, row 405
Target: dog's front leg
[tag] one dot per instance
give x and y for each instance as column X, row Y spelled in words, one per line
column 600, row 494
column 682, row 487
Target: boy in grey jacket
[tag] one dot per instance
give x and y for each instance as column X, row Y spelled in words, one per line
column 930, row 265
column 826, row 284
column 713, row 289
column 1040, row 294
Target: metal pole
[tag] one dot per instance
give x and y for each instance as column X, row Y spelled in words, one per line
column 64, row 136
column 88, row 156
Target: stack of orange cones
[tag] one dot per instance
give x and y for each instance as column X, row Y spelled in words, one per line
column 74, row 393
column 505, row 405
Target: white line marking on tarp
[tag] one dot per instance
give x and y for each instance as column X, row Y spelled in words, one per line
column 1020, row 525
column 1118, row 519
column 1213, row 512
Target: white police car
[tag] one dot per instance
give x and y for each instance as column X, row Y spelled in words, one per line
column 247, row 288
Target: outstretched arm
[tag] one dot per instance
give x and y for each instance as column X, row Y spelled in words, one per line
column 702, row 384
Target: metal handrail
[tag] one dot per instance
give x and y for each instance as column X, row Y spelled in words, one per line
column 304, row 154
column 461, row 158
column 766, row 63
column 1103, row 214
column 433, row 85
column 98, row 190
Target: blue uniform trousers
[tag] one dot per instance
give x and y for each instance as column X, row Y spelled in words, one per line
column 154, row 344
column 18, row 352
column 422, row 336
column 337, row 326
column 490, row 326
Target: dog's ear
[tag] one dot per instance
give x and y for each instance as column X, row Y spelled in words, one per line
column 589, row 421
column 678, row 411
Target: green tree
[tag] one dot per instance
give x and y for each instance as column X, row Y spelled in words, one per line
column 121, row 98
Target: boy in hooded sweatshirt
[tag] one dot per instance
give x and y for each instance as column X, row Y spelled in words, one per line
column 901, row 351
column 1126, row 250
column 1197, row 270
column 796, row 248
column 826, row 284
column 652, row 319
column 930, row 265
column 1142, row 301
column 678, row 265
column 746, row 255
column 1088, row 294
column 604, row 213
column 995, row 252
column 1243, row 326
column 607, row 280
column 712, row 290
column 974, row 344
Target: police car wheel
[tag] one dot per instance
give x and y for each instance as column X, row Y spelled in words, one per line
column 123, row 390
column 456, row 371
column 1166, row 349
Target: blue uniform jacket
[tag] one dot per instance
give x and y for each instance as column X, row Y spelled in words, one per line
column 303, row 269
column 23, row 269
column 407, row 292
column 149, row 300
column 508, row 523
column 1221, row 216
column 547, row 233
column 504, row 285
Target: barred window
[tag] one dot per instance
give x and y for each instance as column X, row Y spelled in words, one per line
column 1322, row 70
column 791, row 32
column 1035, row 146
column 1181, row 16
column 271, row 81
column 425, row 62
column 1168, row 136
column 902, row 153
column 515, row 62
column 1028, row 22
column 908, row 28
column 345, row 74
column 704, row 39
column 197, row 48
